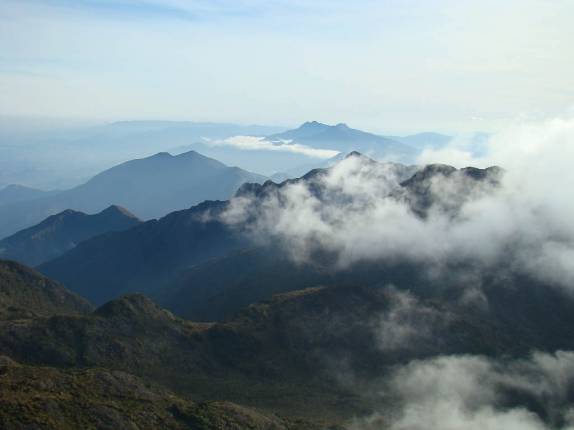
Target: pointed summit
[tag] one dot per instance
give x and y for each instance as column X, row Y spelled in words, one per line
column 113, row 210
column 162, row 155
column 362, row 157
column 354, row 154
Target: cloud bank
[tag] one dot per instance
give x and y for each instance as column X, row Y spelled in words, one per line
column 477, row 393
column 358, row 211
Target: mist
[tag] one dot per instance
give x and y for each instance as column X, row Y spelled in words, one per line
column 475, row 392
column 361, row 213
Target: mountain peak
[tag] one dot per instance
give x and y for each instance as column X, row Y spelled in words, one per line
column 133, row 306
column 354, row 154
column 162, row 155
column 191, row 153
column 118, row 210
column 67, row 213
column 311, row 124
column 360, row 156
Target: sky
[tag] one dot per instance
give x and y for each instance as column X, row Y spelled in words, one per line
column 392, row 66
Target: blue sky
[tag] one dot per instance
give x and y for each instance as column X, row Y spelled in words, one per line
column 388, row 65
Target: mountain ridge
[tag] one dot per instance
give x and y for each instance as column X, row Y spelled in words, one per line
column 63, row 231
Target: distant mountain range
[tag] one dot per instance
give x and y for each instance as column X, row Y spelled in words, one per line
column 270, row 154
column 14, row 193
column 150, row 187
column 344, row 139
column 34, row 153
column 61, row 232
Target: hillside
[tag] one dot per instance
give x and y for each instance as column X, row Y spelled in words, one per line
column 26, row 293
column 61, row 232
column 285, row 354
column 105, row 399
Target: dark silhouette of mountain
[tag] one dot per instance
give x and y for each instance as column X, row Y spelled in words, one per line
column 19, row 193
column 426, row 188
column 151, row 187
column 342, row 138
column 25, row 293
column 60, row 233
column 218, row 288
column 145, row 257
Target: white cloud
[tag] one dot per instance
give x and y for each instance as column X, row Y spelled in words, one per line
column 477, row 393
column 253, row 143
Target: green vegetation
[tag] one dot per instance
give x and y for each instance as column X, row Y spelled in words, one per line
column 25, row 293
column 48, row 398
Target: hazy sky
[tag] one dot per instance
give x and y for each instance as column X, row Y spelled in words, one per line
column 387, row 65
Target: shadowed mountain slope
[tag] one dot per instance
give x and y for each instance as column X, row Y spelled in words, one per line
column 145, row 257
column 62, row 232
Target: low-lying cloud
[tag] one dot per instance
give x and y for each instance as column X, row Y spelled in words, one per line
column 527, row 221
column 254, row 143
column 476, row 393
